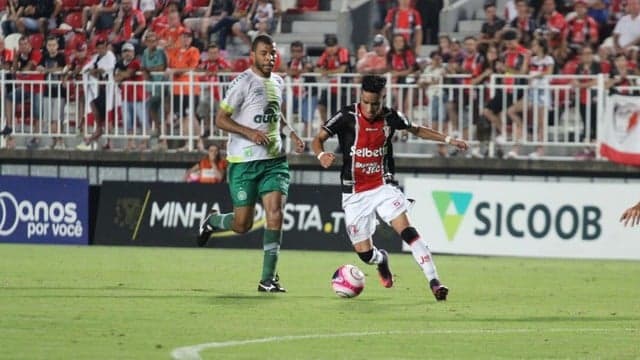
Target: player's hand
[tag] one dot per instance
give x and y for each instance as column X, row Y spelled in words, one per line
column 631, row 216
column 257, row 137
column 460, row 144
column 327, row 159
column 298, row 143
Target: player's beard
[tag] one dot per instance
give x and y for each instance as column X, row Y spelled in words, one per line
column 264, row 68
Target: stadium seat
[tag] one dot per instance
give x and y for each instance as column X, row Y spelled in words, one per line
column 68, row 5
column 240, row 65
column 74, row 19
column 84, row 3
column 308, row 5
column 37, row 40
column 3, row 5
column 200, row 3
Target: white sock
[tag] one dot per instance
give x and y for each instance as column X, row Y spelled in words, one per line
column 422, row 255
column 377, row 257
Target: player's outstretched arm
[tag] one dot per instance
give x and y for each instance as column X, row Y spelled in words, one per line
column 226, row 123
column 317, row 145
column 426, row 133
column 631, row 216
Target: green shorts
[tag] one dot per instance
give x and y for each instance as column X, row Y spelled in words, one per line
column 248, row 180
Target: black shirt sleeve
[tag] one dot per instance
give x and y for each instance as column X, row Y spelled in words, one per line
column 397, row 120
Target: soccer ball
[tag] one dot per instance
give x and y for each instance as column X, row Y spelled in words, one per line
column 348, row 281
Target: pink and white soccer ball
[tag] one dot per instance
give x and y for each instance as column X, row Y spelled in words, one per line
column 348, row 281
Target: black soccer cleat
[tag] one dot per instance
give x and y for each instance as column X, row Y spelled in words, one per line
column 439, row 291
column 384, row 272
column 206, row 229
column 271, row 286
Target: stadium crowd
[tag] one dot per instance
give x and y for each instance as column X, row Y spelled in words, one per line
column 135, row 42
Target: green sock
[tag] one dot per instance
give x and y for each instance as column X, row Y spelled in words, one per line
column 221, row 221
column 271, row 245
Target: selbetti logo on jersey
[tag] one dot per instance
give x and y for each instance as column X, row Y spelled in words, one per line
column 366, row 152
column 41, row 218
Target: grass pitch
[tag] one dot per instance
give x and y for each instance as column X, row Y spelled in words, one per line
column 61, row 302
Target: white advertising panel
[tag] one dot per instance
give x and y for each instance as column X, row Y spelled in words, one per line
column 539, row 219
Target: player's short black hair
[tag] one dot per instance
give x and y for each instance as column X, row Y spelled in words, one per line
column 373, row 83
column 261, row 39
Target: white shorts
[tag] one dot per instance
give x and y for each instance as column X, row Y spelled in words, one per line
column 360, row 210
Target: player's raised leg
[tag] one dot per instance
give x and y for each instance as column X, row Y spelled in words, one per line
column 421, row 254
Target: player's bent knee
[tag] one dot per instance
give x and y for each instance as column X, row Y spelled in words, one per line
column 409, row 235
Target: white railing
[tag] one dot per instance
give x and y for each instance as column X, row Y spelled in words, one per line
column 185, row 113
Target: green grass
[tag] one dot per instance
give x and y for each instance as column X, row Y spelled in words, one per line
column 59, row 302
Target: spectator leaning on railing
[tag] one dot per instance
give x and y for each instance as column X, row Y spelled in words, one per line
column 98, row 82
column 211, row 87
column 128, row 74
column 305, row 98
column 335, row 60
column 154, row 64
column 182, row 62
column 54, row 94
column 26, row 60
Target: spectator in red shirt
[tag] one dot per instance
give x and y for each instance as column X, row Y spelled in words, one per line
column 552, row 23
column 406, row 21
column 26, row 59
column 129, row 24
column 514, row 61
column 473, row 65
column 73, row 76
column 161, row 22
column 581, row 30
column 128, row 74
column 335, row 60
column 403, row 65
column 210, row 94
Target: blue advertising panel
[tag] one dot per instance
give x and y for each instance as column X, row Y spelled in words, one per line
column 44, row 210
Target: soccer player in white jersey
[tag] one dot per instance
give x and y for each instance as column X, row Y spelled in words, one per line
column 251, row 114
column 365, row 131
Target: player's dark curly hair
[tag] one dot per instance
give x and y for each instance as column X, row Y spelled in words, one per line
column 373, row 83
column 261, row 39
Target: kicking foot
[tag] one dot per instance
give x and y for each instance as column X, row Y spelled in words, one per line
column 386, row 277
column 439, row 291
